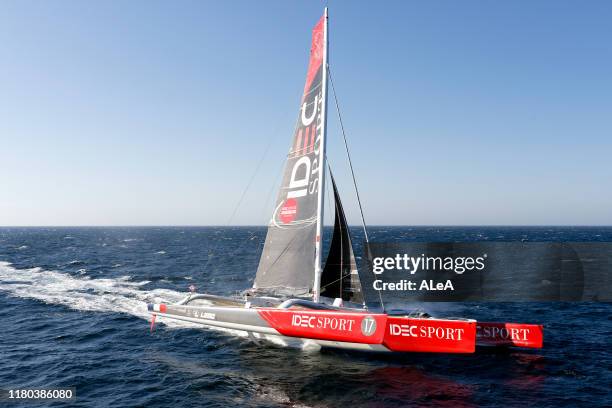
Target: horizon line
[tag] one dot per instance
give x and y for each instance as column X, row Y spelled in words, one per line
column 265, row 226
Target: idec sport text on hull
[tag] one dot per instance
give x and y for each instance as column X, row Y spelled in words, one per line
column 318, row 322
column 305, row 171
column 429, row 332
column 514, row 333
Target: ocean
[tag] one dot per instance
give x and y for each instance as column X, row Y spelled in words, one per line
column 73, row 313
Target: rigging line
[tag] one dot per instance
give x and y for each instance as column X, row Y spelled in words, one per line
column 283, row 252
column 274, row 135
column 337, row 280
column 248, row 186
column 348, row 154
column 341, row 240
column 266, row 208
column 328, row 195
column 337, row 216
column 254, row 232
column 271, row 140
column 329, row 209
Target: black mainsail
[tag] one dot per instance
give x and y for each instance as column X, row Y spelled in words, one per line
column 340, row 278
column 290, row 264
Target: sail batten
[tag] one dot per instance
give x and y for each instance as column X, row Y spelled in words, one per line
column 290, row 263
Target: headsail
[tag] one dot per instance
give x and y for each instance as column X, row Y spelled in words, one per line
column 340, row 278
column 290, row 262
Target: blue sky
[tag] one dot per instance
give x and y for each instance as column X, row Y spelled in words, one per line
column 158, row 113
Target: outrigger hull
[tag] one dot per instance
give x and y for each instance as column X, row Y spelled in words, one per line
column 355, row 329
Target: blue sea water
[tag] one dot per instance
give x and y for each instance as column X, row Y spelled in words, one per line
column 72, row 308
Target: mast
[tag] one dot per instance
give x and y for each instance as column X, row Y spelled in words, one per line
column 290, row 263
column 321, row 188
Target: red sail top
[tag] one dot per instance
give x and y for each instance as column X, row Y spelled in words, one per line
column 317, row 50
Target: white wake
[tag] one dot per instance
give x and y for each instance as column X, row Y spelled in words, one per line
column 84, row 293
column 106, row 295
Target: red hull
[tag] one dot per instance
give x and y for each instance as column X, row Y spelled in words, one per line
column 510, row 334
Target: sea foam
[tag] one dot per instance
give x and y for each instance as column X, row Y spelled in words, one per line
column 86, row 294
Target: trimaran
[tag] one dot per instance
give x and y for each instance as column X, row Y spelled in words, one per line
column 296, row 299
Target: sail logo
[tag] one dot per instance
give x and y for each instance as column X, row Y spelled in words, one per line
column 429, row 332
column 305, row 170
column 325, row 323
column 288, row 211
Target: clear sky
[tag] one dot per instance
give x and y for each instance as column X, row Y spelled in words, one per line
column 158, row 113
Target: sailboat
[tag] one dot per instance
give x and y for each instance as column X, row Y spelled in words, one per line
column 296, row 298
